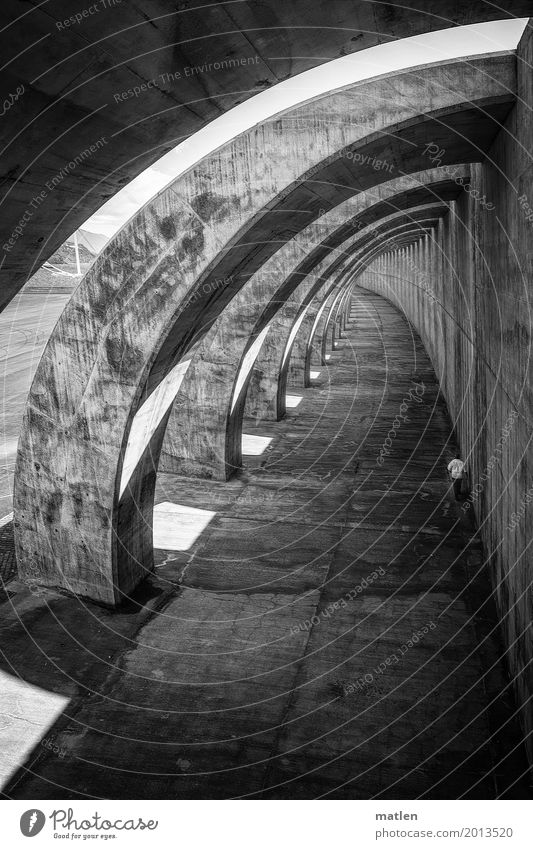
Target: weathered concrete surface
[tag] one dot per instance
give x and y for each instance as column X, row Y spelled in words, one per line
column 144, row 302
column 211, row 685
column 24, row 329
column 469, row 296
column 74, row 78
column 338, row 320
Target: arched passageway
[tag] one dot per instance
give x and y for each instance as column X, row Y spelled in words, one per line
column 94, row 98
column 155, row 291
column 331, row 632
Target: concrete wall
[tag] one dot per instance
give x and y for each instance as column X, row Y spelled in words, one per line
column 468, row 292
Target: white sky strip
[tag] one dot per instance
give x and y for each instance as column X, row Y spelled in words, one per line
column 292, row 336
column 148, row 418
column 247, row 364
column 387, row 58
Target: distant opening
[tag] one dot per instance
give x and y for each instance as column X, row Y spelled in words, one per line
column 148, row 418
column 253, row 445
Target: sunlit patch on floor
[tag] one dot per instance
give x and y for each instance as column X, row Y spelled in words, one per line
column 26, row 714
column 255, row 445
column 292, row 336
column 177, row 526
column 292, row 401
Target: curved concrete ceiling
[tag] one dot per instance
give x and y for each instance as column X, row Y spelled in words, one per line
column 132, row 78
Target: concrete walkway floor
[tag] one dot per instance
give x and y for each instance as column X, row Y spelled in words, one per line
column 329, row 633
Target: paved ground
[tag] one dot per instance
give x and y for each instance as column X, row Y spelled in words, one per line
column 329, row 634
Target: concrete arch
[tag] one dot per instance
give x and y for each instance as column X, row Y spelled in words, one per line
column 130, row 323
column 130, row 73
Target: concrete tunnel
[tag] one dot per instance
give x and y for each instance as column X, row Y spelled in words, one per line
column 276, row 358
